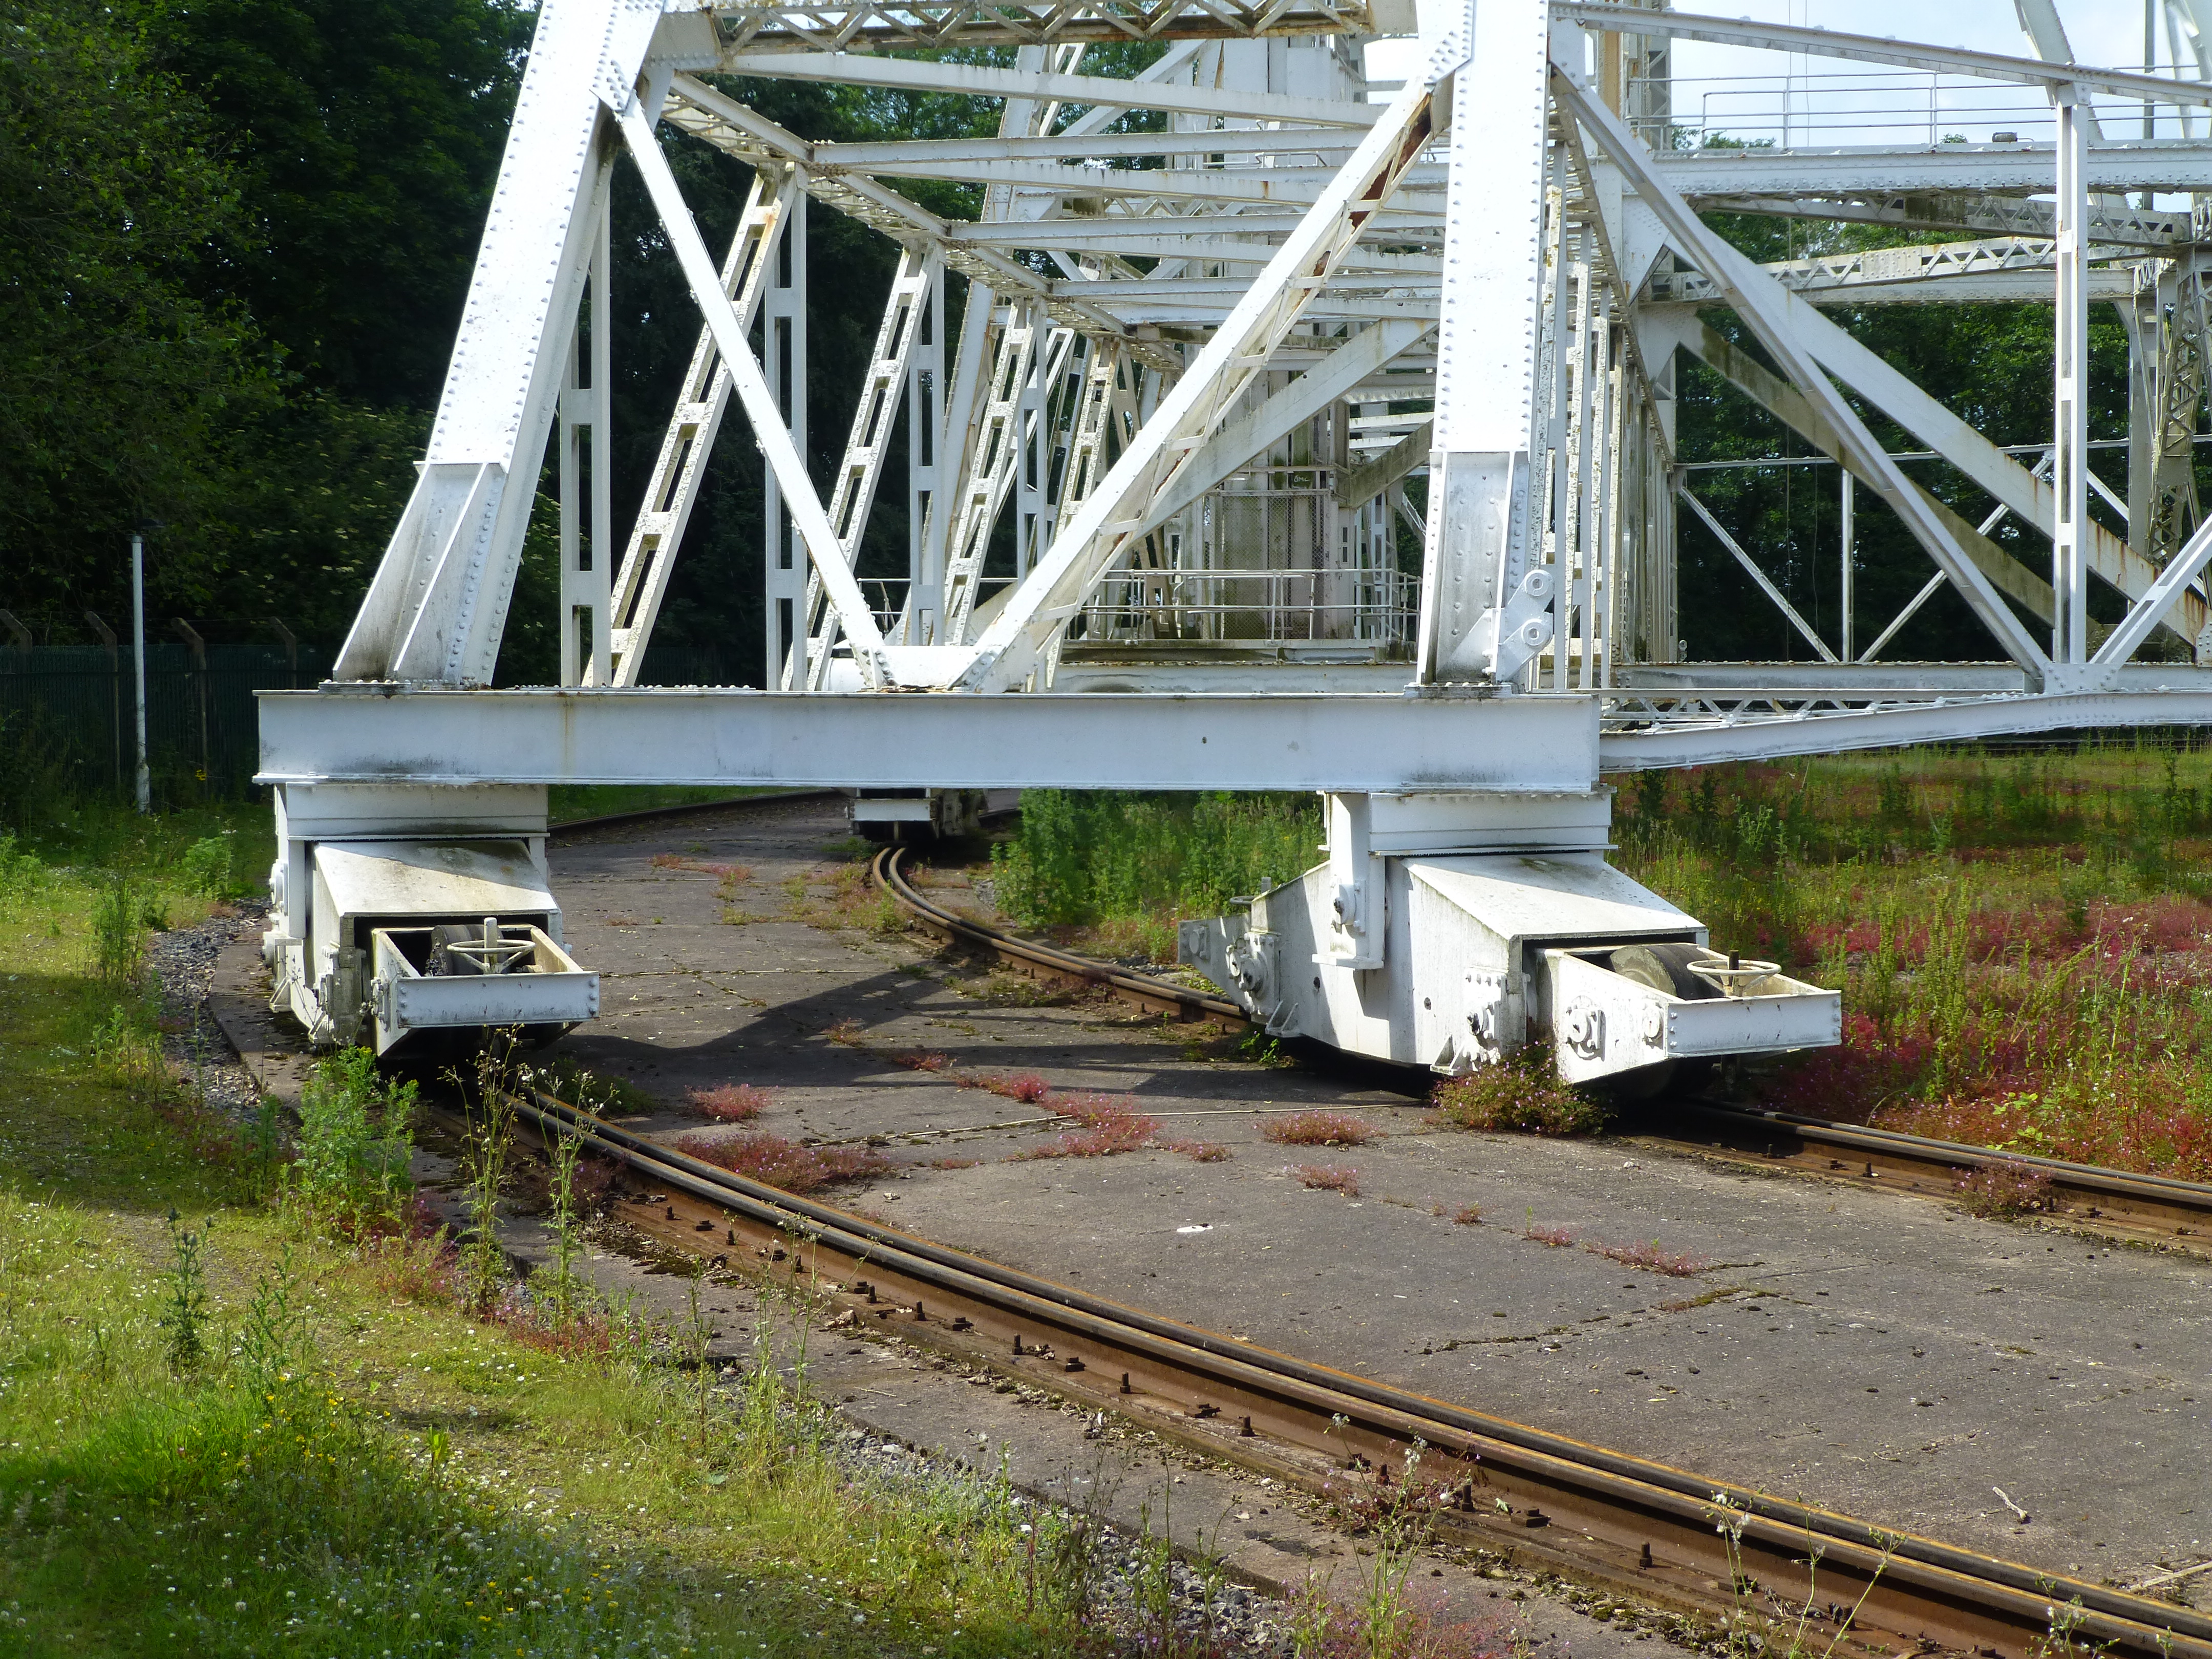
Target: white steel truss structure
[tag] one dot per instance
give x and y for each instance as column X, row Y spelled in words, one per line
column 1213, row 363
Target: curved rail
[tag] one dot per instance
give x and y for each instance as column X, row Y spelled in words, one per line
column 1662, row 1534
column 1042, row 961
column 2153, row 1207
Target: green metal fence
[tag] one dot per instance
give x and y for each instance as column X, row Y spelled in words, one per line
column 69, row 707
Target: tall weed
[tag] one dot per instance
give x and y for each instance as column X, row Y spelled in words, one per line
column 355, row 1141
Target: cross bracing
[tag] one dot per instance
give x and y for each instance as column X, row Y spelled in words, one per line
column 1213, row 383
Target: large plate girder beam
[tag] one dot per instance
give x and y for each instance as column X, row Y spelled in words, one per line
column 1380, row 742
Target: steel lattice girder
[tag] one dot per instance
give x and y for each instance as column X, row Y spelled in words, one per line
column 1369, row 249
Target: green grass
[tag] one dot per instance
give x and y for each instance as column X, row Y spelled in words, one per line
column 358, row 1464
column 1117, row 869
column 2022, row 940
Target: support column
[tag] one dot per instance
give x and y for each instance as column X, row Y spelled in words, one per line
column 925, row 409
column 1486, row 609
column 783, row 358
column 2069, row 572
column 1850, row 551
column 587, row 560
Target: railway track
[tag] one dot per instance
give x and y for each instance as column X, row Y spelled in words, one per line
column 1790, row 1574
column 2152, row 1209
column 1762, row 1564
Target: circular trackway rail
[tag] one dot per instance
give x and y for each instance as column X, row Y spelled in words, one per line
column 1664, row 1535
column 2152, row 1208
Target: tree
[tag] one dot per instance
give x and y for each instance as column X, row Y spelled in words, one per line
column 116, row 375
column 364, row 136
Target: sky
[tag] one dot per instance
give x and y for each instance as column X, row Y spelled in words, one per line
column 1749, row 94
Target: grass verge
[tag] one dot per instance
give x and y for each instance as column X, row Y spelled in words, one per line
column 356, row 1452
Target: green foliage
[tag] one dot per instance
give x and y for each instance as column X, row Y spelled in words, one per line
column 21, row 872
column 355, row 1140
column 1083, row 859
column 119, row 937
column 1522, row 1094
column 184, row 1308
column 365, row 138
column 206, row 867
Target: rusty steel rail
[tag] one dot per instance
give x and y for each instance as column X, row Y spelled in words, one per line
column 1665, row 1535
column 2143, row 1207
column 2157, row 1208
column 1042, row 961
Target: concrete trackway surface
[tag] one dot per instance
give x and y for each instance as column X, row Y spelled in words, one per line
column 1880, row 1356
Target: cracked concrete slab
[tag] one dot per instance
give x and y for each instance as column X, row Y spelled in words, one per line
column 1875, row 1354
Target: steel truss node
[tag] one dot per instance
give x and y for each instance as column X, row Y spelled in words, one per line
column 1222, row 375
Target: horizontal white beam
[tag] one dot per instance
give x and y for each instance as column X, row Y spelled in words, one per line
column 1333, row 144
column 1191, row 236
column 1260, row 187
column 1773, row 737
column 2164, row 164
column 1871, row 49
column 1375, row 744
column 981, row 80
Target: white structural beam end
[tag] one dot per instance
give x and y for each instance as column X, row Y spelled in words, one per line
column 1375, row 743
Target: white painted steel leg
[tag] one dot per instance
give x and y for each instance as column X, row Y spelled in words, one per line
column 585, row 622
column 2070, row 574
column 437, row 605
column 1850, row 558
column 785, row 572
column 1476, row 563
column 925, row 406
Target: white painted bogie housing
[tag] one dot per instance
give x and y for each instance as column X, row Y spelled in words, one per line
column 405, row 911
column 1453, row 930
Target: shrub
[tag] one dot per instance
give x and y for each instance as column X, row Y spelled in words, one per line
column 730, row 1102
column 775, row 1162
column 355, row 1144
column 1329, row 1177
column 1319, row 1129
column 1523, row 1094
column 21, row 872
column 2004, row 1189
column 206, row 867
column 1198, row 1151
column 1083, row 858
column 1111, row 1124
column 118, row 931
column 1027, row 1087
